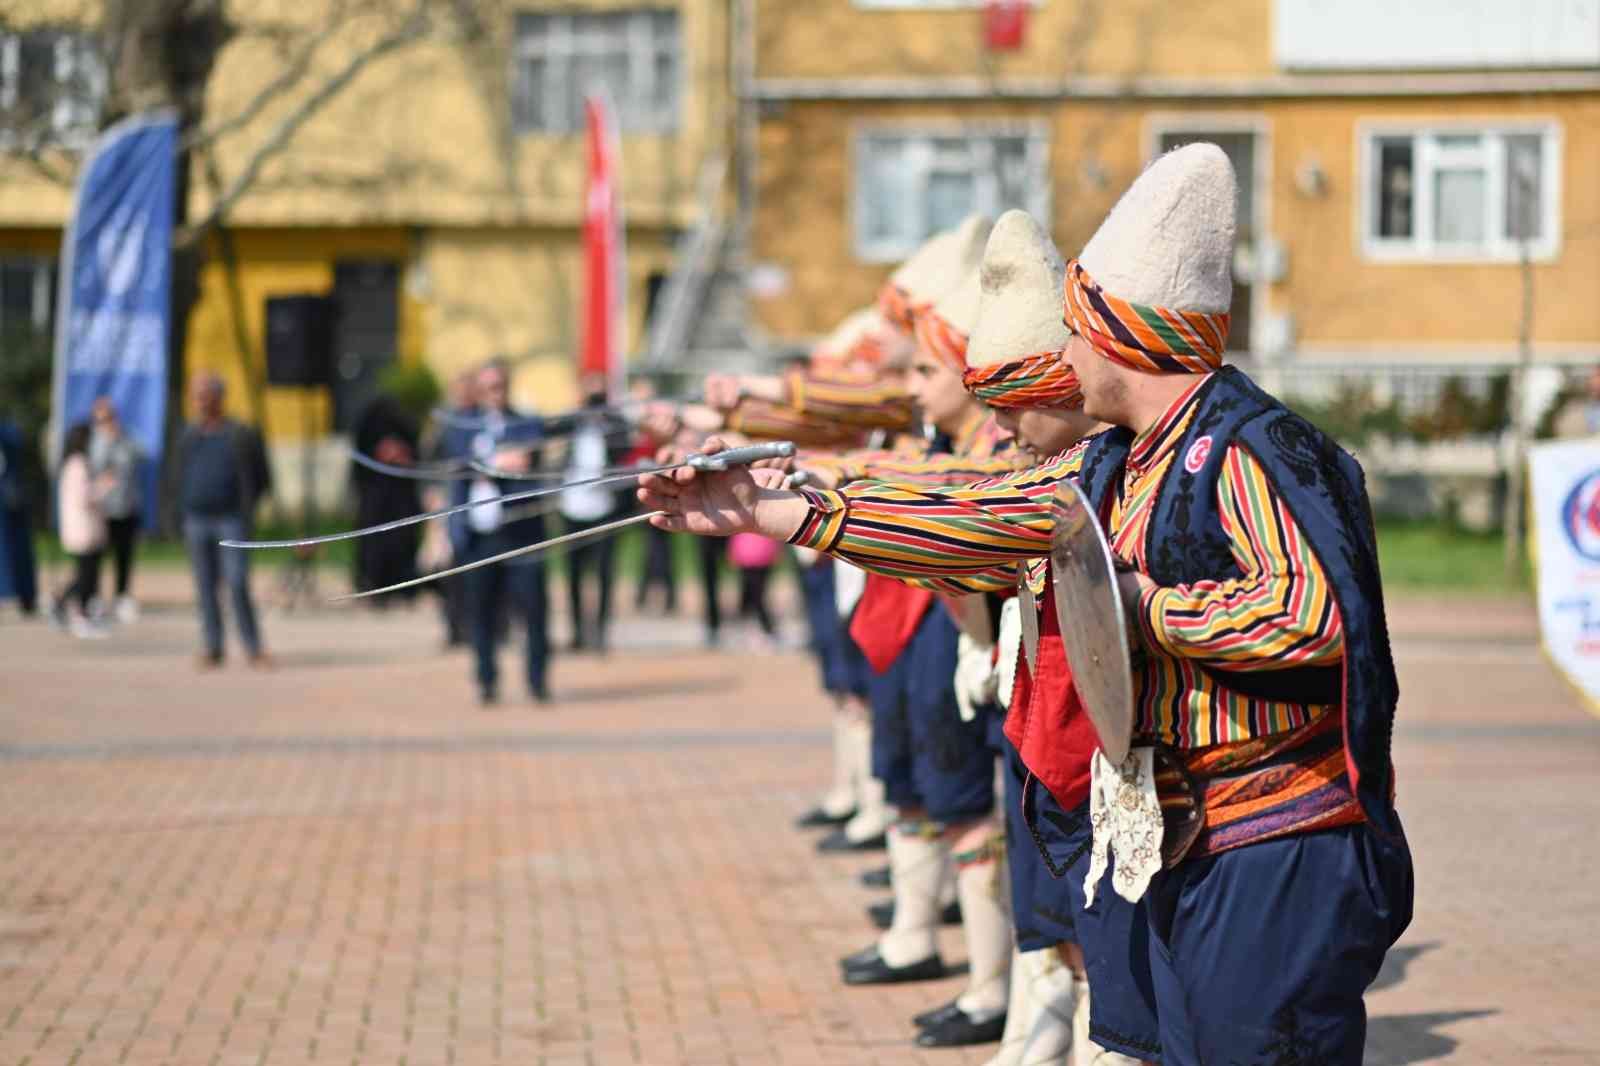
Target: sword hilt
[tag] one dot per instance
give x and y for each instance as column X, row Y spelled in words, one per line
column 754, row 453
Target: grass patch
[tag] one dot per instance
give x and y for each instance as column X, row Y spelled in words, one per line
column 1440, row 558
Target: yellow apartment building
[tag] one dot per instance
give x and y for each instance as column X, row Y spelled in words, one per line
column 1397, row 161
column 438, row 195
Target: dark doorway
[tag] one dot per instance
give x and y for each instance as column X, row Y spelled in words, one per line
column 1241, row 150
column 366, row 333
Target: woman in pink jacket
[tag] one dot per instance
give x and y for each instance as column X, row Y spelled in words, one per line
column 83, row 534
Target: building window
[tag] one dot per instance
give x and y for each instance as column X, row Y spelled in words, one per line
column 1462, row 193
column 52, row 86
column 634, row 56
column 27, row 295
column 910, row 186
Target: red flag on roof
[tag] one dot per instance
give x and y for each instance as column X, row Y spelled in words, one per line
column 604, row 291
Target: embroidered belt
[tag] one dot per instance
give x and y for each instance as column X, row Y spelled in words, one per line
column 1222, row 797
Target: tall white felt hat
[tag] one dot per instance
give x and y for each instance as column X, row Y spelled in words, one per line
column 856, row 325
column 1169, row 240
column 940, row 263
column 1019, row 311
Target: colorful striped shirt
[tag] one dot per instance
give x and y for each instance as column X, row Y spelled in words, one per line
column 1279, row 614
column 980, row 450
column 862, row 400
column 764, row 420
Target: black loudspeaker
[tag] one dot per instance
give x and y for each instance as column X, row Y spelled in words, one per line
column 299, row 340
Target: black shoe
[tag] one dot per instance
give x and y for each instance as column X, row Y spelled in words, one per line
column 960, row 1030
column 836, row 841
column 540, row 695
column 872, row 970
column 487, row 697
column 878, row 877
column 817, row 818
column 936, row 1016
column 882, row 914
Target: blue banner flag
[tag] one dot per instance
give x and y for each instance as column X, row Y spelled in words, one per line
column 116, row 280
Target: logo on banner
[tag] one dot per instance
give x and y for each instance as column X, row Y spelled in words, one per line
column 1580, row 517
column 1199, row 452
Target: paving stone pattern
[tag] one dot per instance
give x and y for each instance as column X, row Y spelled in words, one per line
column 346, row 861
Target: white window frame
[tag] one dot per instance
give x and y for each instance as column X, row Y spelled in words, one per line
column 43, row 294
column 632, row 36
column 1427, row 156
column 1036, row 134
column 78, row 94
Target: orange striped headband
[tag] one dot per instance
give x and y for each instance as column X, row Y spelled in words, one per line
column 938, row 336
column 1043, row 380
column 1155, row 340
column 894, row 303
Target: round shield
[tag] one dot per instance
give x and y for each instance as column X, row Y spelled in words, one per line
column 1093, row 625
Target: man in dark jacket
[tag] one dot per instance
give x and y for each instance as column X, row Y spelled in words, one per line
column 220, row 473
column 502, row 438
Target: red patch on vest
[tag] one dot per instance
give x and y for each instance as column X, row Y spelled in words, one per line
column 1199, row 452
column 886, row 618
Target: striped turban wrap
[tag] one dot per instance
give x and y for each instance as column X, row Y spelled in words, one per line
column 937, row 335
column 1155, row 340
column 894, row 303
column 1043, row 380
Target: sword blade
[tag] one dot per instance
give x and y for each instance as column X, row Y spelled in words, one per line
column 445, row 512
column 451, row 471
column 527, row 549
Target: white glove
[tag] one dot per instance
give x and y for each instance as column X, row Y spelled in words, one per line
column 975, row 677
column 1009, row 648
column 849, row 582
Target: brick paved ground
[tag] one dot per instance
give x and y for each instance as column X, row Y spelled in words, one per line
column 346, row 862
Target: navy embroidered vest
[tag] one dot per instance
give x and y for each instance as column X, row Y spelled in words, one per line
column 1325, row 491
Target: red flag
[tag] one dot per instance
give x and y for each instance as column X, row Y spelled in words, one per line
column 1005, row 23
column 604, row 291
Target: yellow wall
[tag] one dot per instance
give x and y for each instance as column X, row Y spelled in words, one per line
column 281, row 263
column 1065, row 38
column 1340, row 300
column 416, row 136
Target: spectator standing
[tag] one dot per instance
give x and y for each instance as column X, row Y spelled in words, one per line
column 754, row 557
column 221, row 473
column 82, row 526
column 386, row 433
column 1580, row 416
column 505, row 440
column 599, row 439
column 18, row 578
column 117, row 459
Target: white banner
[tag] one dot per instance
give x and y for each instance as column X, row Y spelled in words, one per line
column 1565, row 497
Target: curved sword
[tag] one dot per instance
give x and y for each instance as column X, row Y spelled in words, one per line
column 454, row 470
column 715, row 462
column 527, row 549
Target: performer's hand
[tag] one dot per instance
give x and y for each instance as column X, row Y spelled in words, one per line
column 1132, row 585
column 822, row 477
column 513, row 460
column 722, row 391
column 721, row 503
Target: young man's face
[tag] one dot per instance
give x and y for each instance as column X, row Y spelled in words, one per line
column 1044, row 432
column 1104, row 391
column 936, row 389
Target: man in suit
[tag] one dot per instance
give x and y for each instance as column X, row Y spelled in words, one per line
column 505, row 439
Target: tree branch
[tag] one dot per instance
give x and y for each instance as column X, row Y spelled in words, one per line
column 411, row 30
column 295, row 70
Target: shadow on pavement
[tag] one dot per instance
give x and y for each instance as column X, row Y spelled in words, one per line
column 685, row 687
column 1396, row 962
column 1403, row 1039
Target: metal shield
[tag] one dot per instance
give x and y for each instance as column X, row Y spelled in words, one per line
column 1093, row 624
column 1029, row 613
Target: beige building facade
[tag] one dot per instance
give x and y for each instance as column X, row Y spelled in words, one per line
column 1422, row 193
column 438, row 193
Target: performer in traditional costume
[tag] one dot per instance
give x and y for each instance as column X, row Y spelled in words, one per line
column 1265, row 696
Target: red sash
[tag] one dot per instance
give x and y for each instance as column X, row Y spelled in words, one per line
column 1047, row 723
column 886, row 619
